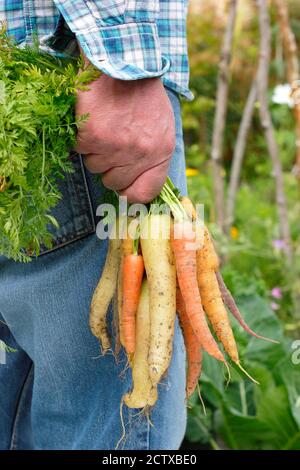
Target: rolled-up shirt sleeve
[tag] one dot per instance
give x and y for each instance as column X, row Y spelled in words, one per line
column 118, row 36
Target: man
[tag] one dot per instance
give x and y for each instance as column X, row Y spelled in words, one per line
column 55, row 391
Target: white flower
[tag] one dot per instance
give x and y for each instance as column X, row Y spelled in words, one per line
column 282, row 95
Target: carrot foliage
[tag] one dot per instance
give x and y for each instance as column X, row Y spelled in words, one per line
column 37, row 130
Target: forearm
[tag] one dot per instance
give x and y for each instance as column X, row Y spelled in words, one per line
column 120, row 39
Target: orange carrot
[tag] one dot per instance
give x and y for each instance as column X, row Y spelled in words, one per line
column 127, row 246
column 133, row 271
column 207, row 267
column 192, row 346
column 126, row 249
column 120, row 301
column 185, row 257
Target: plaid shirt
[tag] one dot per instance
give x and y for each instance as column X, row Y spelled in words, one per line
column 126, row 39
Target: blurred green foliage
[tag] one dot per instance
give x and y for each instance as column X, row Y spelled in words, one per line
column 243, row 415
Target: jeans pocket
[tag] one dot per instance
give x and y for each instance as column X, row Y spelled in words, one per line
column 74, row 212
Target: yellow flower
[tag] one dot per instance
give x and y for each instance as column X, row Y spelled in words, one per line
column 192, row 172
column 234, row 233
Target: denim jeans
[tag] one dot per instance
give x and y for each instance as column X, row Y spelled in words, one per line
column 56, row 392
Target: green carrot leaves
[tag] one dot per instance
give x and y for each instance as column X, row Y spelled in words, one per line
column 37, row 130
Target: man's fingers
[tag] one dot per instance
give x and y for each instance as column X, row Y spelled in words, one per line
column 121, row 177
column 96, row 163
column 82, row 146
column 148, row 185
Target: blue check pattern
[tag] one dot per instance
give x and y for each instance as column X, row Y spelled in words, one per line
column 126, row 39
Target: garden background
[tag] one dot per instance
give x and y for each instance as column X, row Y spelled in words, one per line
column 263, row 277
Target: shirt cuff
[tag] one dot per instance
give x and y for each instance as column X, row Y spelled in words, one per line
column 128, row 51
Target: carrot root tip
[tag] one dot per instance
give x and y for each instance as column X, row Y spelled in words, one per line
column 247, row 373
column 201, row 399
column 228, row 380
column 123, row 437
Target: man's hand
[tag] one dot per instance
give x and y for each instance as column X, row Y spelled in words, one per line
column 130, row 135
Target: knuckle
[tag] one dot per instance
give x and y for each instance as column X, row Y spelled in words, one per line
column 94, row 131
column 169, row 145
column 80, row 147
column 110, row 183
column 170, row 148
column 146, row 147
column 160, row 146
column 91, row 164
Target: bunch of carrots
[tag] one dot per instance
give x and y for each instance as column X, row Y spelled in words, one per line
column 170, row 267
